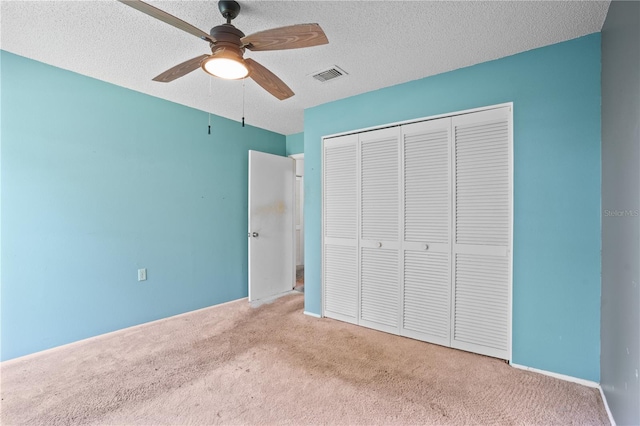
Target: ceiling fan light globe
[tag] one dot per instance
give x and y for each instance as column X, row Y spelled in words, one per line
column 230, row 69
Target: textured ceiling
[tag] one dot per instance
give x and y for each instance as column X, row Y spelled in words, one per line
column 378, row 44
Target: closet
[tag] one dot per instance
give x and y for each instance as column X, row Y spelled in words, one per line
column 417, row 230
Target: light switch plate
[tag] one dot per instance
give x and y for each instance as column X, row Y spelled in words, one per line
column 142, row 274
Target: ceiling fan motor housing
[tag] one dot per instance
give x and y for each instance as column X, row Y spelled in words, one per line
column 228, row 42
column 226, row 35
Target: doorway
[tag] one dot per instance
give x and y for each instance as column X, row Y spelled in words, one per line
column 299, row 221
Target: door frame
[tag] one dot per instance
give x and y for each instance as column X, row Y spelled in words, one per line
column 401, row 123
column 297, row 157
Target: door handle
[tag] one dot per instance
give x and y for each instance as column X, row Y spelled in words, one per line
column 254, row 235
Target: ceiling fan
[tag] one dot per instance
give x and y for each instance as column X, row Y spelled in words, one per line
column 229, row 43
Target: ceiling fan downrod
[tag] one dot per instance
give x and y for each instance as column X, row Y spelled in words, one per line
column 229, row 9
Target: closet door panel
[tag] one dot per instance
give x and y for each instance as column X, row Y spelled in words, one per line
column 340, row 225
column 341, row 188
column 426, row 294
column 380, row 229
column 426, row 284
column 380, row 198
column 482, row 301
column 340, row 282
column 482, row 233
column 379, row 289
column 427, row 181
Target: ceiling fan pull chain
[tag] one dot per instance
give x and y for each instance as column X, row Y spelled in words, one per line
column 209, row 112
column 243, row 102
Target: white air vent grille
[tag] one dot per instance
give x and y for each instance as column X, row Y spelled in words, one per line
column 329, row 74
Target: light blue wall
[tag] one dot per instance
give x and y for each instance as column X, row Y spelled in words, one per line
column 98, row 181
column 295, row 143
column 556, row 276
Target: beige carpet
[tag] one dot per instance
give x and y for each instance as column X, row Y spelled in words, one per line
column 234, row 364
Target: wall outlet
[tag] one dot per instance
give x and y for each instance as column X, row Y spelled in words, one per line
column 142, row 274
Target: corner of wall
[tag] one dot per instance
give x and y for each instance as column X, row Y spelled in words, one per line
column 295, row 143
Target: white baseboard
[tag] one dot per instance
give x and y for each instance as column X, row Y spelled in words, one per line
column 606, row 405
column 311, row 314
column 271, row 299
column 577, row 380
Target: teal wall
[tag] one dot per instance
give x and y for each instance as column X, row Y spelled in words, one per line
column 98, row 181
column 295, row 143
column 556, row 269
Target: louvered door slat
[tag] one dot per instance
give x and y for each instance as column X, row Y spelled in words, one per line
column 482, row 233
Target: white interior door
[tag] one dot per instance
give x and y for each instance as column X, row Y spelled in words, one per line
column 271, row 225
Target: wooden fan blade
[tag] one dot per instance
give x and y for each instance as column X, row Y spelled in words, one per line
column 181, row 69
column 167, row 18
column 291, row 37
column 268, row 80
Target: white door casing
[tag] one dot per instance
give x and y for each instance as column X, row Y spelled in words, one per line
column 299, row 221
column 271, row 225
column 299, row 214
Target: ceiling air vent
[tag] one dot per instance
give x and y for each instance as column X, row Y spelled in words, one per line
column 330, row 74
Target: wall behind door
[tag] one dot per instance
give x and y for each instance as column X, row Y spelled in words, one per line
column 98, row 181
column 295, row 143
column 556, row 278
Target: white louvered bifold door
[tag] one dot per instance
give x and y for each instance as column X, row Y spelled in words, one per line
column 380, row 229
column 340, row 250
column 426, row 244
column 481, row 301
